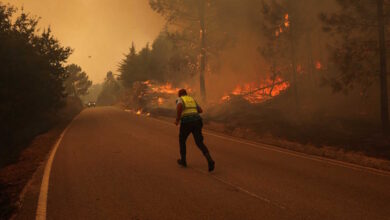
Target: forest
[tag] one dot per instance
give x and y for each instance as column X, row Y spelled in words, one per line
column 295, row 89
column 36, row 83
column 313, row 72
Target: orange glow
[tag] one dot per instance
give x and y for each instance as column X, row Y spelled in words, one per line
column 225, row 98
column 318, row 65
column 299, row 68
column 83, row 25
column 166, row 88
column 258, row 92
column 160, row 101
column 286, row 21
column 283, row 26
column 160, row 94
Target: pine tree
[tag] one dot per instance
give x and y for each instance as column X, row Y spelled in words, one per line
column 77, row 82
column 199, row 26
column 283, row 28
column 360, row 53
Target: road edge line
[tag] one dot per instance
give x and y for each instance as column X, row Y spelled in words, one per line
column 43, row 192
column 275, row 148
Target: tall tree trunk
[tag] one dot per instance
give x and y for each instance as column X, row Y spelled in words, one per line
column 293, row 40
column 383, row 69
column 294, row 67
column 74, row 89
column 202, row 5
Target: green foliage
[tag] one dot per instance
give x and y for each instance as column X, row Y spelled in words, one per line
column 165, row 61
column 77, row 82
column 32, row 74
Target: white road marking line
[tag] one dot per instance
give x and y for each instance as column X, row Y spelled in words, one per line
column 274, row 148
column 301, row 155
column 42, row 201
column 240, row 189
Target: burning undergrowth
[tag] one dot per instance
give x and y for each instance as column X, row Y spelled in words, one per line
column 269, row 108
column 258, row 92
column 313, row 119
column 151, row 96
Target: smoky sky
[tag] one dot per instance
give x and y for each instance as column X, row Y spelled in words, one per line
column 99, row 31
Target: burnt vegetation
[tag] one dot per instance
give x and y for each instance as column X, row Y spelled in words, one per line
column 312, row 72
column 307, row 71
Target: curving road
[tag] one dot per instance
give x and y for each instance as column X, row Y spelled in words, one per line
column 112, row 164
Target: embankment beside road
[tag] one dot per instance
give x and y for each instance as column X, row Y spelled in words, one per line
column 20, row 162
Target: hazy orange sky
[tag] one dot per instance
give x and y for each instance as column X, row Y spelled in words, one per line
column 102, row 29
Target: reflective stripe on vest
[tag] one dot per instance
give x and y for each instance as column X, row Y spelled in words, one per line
column 189, row 106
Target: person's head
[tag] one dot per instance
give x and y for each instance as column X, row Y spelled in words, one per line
column 182, row 92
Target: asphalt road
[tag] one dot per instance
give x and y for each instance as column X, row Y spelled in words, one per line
column 112, row 164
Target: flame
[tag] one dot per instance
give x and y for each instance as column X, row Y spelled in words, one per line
column 139, row 112
column 166, row 88
column 260, row 92
column 283, row 26
column 225, row 98
column 158, row 94
column 160, row 101
column 318, row 65
column 286, row 21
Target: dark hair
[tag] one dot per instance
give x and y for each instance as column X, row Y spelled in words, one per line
column 182, row 92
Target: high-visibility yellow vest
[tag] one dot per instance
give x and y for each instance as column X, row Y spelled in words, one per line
column 189, row 106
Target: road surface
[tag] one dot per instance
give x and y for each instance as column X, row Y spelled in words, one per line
column 112, row 164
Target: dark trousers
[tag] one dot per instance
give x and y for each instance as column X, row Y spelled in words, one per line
column 194, row 127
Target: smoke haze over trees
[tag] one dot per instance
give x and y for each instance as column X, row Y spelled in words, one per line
column 360, row 52
column 306, row 65
column 164, row 61
column 326, row 58
column 77, row 82
column 110, row 91
column 267, row 39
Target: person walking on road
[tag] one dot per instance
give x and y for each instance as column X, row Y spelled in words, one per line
column 190, row 122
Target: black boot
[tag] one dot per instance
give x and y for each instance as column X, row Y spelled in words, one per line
column 210, row 162
column 182, row 162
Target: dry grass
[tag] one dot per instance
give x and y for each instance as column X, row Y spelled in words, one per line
column 336, row 153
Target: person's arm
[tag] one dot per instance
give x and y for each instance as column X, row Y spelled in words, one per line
column 179, row 110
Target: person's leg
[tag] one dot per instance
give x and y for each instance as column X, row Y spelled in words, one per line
column 198, row 136
column 183, row 135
